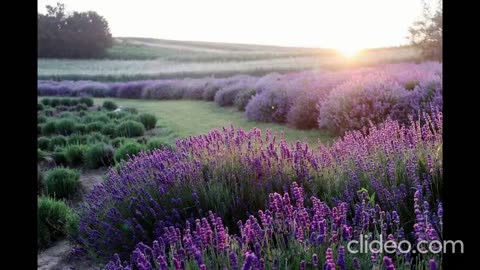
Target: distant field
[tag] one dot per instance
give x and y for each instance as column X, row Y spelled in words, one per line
column 136, row 59
column 186, row 118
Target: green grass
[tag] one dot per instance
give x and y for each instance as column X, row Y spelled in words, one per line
column 138, row 59
column 188, row 117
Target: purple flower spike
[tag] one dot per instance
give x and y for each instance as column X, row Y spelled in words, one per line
column 341, row 258
column 250, row 261
column 356, row 264
column 329, row 262
column 388, row 263
column 233, row 260
column 432, row 264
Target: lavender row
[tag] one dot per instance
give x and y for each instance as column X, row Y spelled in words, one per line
column 232, row 172
column 338, row 101
column 290, row 235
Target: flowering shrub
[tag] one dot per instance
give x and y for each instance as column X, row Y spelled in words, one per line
column 290, row 235
column 232, row 173
column 359, row 101
column 378, row 95
column 350, row 96
column 227, row 95
column 161, row 90
column 211, row 88
column 304, row 111
column 242, row 99
column 269, row 106
column 194, row 88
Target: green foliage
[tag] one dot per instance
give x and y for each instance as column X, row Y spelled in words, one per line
column 99, row 155
column 86, row 101
column 75, row 154
column 48, row 112
column 54, row 102
column 94, row 126
column 40, row 107
column 116, row 115
column 96, row 137
column 101, row 118
column 45, row 101
column 66, row 115
column 109, row 130
column 427, row 33
column 41, row 119
column 57, row 142
column 158, row 143
column 61, row 108
column 126, row 150
column 60, row 158
column 109, row 105
column 77, row 138
column 61, row 182
column 80, row 128
column 118, row 141
column 49, row 128
column 81, row 107
column 65, row 126
column 54, row 220
column 43, row 143
column 130, row 110
column 148, row 120
column 130, row 129
column 65, row 102
column 72, row 35
column 41, row 155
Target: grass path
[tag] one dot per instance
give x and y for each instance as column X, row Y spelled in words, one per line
column 189, row 117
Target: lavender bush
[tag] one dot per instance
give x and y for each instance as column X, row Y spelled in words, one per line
column 352, row 98
column 232, row 173
column 269, row 106
column 227, row 95
column 304, row 112
column 242, row 99
column 291, row 235
column 380, row 94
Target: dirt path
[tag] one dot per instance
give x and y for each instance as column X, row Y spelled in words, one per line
column 56, row 257
column 90, row 178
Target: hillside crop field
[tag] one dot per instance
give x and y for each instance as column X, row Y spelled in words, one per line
column 235, row 171
column 135, row 59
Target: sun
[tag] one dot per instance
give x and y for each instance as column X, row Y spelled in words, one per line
column 348, row 51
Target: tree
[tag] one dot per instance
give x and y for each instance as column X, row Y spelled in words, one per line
column 76, row 35
column 426, row 33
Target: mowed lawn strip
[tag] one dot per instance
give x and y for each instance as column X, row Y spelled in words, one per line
column 189, row 117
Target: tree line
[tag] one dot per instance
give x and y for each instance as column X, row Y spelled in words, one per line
column 74, row 35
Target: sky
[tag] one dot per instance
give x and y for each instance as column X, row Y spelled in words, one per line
column 340, row 24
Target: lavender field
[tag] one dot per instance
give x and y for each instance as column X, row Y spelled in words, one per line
column 337, row 101
column 247, row 198
column 324, row 151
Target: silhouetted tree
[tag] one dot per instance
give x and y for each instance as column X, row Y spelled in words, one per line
column 77, row 35
column 426, row 33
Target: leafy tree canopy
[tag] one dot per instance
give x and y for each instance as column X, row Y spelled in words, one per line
column 74, row 35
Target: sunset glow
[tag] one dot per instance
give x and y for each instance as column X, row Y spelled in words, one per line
column 346, row 25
